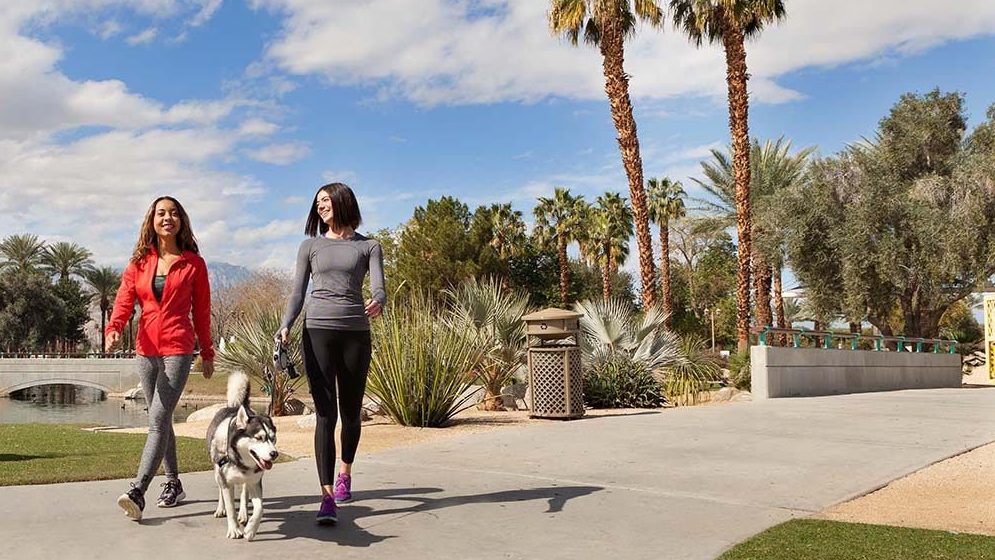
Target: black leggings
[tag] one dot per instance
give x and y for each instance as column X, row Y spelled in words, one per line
column 340, row 356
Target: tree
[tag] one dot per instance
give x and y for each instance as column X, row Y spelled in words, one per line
column 774, row 171
column 77, row 311
column 704, row 265
column 21, row 253
column 105, row 282
column 611, row 227
column 906, row 221
column 32, row 316
column 731, row 22
column 606, row 24
column 496, row 233
column 435, row 250
column 63, row 259
column 665, row 201
column 558, row 222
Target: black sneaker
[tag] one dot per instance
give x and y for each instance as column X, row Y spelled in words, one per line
column 132, row 502
column 172, row 493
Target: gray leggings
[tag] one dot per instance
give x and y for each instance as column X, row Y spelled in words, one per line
column 163, row 379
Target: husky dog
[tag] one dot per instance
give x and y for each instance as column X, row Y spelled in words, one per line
column 242, row 445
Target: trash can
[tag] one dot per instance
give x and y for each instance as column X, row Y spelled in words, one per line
column 555, row 376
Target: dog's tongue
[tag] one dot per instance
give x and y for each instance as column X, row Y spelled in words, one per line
column 266, row 465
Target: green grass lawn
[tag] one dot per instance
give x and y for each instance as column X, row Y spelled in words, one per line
column 810, row 539
column 49, row 453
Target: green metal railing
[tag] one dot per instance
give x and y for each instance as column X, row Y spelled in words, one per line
column 825, row 339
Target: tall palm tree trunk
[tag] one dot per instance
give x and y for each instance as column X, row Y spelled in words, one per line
column 735, row 49
column 561, row 244
column 779, row 317
column 606, row 282
column 617, row 88
column 761, row 293
column 668, row 301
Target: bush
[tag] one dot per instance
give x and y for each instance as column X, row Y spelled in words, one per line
column 692, row 373
column 739, row 371
column 619, row 382
column 251, row 351
column 422, row 368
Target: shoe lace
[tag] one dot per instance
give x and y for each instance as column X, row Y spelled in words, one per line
column 171, row 487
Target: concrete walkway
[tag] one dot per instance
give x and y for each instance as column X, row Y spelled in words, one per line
column 684, row 483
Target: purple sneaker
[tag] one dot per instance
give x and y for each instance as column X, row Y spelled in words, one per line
column 343, row 488
column 327, row 514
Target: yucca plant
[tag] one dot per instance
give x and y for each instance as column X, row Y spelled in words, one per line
column 691, row 374
column 251, row 351
column 422, row 365
column 494, row 317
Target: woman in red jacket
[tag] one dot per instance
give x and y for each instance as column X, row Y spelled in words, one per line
column 168, row 278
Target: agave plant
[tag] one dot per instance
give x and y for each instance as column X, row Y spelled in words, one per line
column 251, row 351
column 493, row 317
column 422, row 367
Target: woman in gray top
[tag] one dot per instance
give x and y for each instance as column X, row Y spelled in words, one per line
column 336, row 337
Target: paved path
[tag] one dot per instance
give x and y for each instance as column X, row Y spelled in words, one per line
column 679, row 484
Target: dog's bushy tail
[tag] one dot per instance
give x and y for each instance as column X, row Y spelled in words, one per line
column 238, row 389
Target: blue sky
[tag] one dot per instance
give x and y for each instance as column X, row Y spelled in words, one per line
column 242, row 108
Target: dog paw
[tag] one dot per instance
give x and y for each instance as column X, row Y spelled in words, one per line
column 219, row 513
column 235, row 532
column 250, row 534
column 243, row 517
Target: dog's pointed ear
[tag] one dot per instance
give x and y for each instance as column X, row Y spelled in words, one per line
column 242, row 417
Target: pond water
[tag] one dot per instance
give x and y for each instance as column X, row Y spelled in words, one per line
column 74, row 404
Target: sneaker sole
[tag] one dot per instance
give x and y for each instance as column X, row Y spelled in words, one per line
column 130, row 508
column 343, row 500
column 328, row 520
column 179, row 498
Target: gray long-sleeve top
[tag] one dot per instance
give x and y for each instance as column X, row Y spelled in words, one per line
column 336, row 268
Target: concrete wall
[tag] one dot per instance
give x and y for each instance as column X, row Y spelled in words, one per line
column 109, row 374
column 808, row 372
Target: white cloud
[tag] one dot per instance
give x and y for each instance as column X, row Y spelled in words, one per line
column 339, row 176
column 144, row 37
column 280, row 154
column 109, row 29
column 457, row 52
column 93, row 186
column 257, row 127
column 207, row 11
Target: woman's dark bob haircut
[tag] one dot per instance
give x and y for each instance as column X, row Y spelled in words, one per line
column 345, row 210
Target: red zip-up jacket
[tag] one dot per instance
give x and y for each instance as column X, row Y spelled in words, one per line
column 164, row 328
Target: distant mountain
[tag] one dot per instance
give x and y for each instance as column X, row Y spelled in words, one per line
column 224, row 275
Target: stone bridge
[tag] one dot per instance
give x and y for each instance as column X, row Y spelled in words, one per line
column 113, row 375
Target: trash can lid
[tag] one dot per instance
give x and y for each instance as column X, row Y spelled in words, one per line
column 551, row 314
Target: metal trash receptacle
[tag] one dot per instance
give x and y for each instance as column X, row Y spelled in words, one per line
column 555, row 375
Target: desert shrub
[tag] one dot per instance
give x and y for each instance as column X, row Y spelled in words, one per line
column 423, row 364
column 617, row 381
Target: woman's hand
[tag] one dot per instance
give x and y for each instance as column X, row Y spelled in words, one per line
column 373, row 308
column 111, row 341
column 284, row 335
column 208, row 368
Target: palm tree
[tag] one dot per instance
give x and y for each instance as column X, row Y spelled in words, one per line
column 606, row 24
column 64, row 258
column 774, row 170
column 509, row 230
column 732, row 22
column 104, row 281
column 21, row 253
column 558, row 221
column 665, row 201
column 611, row 230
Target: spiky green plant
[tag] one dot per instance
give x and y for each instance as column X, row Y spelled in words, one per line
column 422, row 368
column 251, row 350
column 694, row 372
column 615, row 327
column 494, row 317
